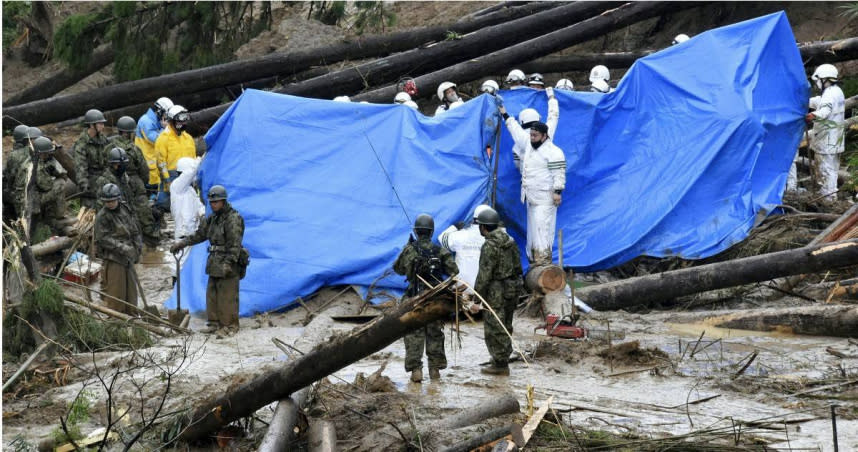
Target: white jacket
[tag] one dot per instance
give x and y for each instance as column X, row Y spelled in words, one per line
column 185, row 205
column 543, row 170
column 466, row 243
column 828, row 127
column 443, row 107
column 550, row 121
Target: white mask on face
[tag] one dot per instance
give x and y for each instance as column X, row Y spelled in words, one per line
column 819, row 84
column 452, row 97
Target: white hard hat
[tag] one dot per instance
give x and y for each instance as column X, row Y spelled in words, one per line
column 564, row 84
column 528, row 115
column 401, row 98
column 444, row 86
column 489, row 86
column 411, row 103
column 599, row 73
column 186, row 164
column 163, row 105
column 515, row 75
column 480, row 209
column 535, row 79
column 824, row 71
column 682, row 37
column 600, row 86
column 175, row 113
column 342, row 99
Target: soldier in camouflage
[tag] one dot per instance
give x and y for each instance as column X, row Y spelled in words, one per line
column 89, row 156
column 115, row 173
column 119, row 244
column 19, row 155
column 227, row 261
column 424, row 259
column 47, row 200
column 499, row 282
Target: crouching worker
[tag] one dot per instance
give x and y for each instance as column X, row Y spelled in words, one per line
column 423, row 259
column 119, row 244
column 227, row 262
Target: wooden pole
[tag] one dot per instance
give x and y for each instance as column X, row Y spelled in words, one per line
column 281, row 430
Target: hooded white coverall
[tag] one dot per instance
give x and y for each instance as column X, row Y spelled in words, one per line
column 550, row 121
column 827, row 141
column 543, row 171
column 444, row 107
column 185, row 205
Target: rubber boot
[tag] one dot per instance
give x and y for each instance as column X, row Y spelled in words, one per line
column 496, row 370
column 435, row 373
column 417, row 375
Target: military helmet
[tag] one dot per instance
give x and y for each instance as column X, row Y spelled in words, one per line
column 43, row 145
column 110, row 192
column 488, row 217
column 116, row 155
column 424, row 222
column 34, row 132
column 93, row 116
column 217, row 193
column 20, row 133
column 126, row 124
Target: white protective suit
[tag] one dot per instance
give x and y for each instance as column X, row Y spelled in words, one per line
column 550, row 121
column 827, row 141
column 444, row 107
column 543, row 171
column 466, row 243
column 185, row 204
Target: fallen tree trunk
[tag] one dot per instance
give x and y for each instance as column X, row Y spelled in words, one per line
column 389, row 69
column 146, row 90
column 824, row 320
column 545, row 278
column 117, row 315
column 100, row 58
column 506, row 404
column 645, row 290
column 812, row 53
column 513, row 431
column 322, row 436
column 281, row 430
column 512, row 56
column 52, row 245
column 323, row 360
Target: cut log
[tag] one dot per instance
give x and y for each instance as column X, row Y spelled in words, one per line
column 522, row 52
column 506, row 404
column 100, row 58
column 512, row 432
column 813, row 53
column 52, row 245
column 339, row 352
column 545, row 278
column 820, row 320
column 645, row 290
column 281, row 430
column 146, row 90
column 322, row 436
column 438, row 56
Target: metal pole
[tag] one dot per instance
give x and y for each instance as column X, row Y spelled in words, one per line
column 834, row 427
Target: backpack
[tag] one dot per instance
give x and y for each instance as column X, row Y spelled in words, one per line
column 428, row 266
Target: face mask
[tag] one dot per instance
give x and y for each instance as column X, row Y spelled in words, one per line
column 179, row 127
column 120, row 170
column 536, row 144
column 819, row 84
column 452, row 97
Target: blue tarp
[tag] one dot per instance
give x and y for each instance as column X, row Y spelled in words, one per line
column 696, row 140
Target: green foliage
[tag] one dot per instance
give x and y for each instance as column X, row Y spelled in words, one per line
column 452, row 36
column 850, row 11
column 77, row 37
column 849, row 85
column 12, row 12
column 371, row 15
column 328, row 12
column 78, row 413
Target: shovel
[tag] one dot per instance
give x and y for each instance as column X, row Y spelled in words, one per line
column 177, row 316
column 150, row 309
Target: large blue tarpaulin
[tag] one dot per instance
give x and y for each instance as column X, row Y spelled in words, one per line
column 696, row 140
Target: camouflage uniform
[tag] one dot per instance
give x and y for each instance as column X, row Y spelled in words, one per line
column 224, row 230
column 90, row 161
column 136, row 172
column 499, row 283
column 48, row 200
column 119, row 244
column 19, row 155
column 409, row 263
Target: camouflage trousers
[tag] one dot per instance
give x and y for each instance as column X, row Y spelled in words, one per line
column 433, row 336
column 497, row 341
column 222, row 301
column 116, row 281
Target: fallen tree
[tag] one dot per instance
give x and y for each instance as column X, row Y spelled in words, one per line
column 820, row 320
column 147, row 90
column 100, row 58
column 338, row 352
column 645, row 290
column 387, row 70
column 512, row 56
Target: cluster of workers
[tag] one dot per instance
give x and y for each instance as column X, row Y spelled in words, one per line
column 149, row 167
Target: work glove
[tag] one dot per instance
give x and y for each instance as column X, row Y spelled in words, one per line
column 498, row 101
column 475, row 307
column 460, row 225
column 549, row 92
column 176, row 247
column 808, row 118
